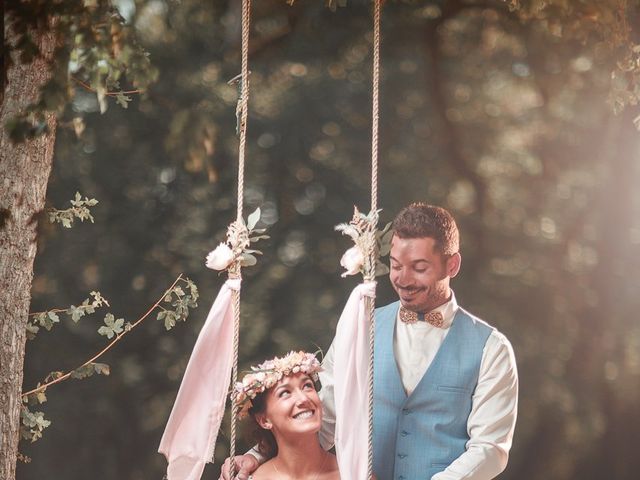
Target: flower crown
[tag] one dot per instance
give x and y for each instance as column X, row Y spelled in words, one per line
column 267, row 374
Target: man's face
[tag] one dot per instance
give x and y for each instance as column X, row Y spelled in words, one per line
column 420, row 274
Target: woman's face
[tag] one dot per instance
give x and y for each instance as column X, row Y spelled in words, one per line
column 292, row 407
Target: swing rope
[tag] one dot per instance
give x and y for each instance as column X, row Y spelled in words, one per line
column 374, row 205
column 235, row 272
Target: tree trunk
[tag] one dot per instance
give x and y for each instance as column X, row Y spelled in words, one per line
column 24, row 173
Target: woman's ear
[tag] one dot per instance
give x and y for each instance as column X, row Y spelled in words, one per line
column 263, row 422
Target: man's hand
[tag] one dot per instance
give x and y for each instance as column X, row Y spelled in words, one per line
column 245, row 466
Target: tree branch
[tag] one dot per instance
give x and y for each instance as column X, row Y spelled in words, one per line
column 42, row 388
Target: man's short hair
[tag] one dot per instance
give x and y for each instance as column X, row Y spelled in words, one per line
column 420, row 220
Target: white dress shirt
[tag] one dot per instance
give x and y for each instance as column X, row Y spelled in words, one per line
column 494, row 404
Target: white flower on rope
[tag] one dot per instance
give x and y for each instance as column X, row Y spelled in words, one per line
column 370, row 245
column 234, row 253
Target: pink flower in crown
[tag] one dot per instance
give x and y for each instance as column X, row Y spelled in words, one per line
column 268, row 373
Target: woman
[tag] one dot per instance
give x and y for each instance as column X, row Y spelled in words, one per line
column 280, row 397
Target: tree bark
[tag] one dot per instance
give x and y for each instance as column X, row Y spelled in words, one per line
column 24, row 173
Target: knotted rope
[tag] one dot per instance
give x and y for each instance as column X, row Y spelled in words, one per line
column 374, row 205
column 235, row 272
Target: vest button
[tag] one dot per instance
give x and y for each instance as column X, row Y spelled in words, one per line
column 404, row 433
column 401, row 455
column 401, row 477
column 406, row 411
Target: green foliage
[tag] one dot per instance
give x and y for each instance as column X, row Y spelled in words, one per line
column 96, row 50
column 112, row 326
column 181, row 301
column 607, row 24
column 89, row 369
column 48, row 318
column 33, row 424
column 114, row 329
column 248, row 255
column 79, row 209
column 383, row 239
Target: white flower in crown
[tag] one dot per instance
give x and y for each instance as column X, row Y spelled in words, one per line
column 352, row 261
column 220, row 258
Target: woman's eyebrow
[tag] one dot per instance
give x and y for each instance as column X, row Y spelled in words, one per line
column 281, row 386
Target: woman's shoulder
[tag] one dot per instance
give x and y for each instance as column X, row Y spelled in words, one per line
column 263, row 472
column 332, row 472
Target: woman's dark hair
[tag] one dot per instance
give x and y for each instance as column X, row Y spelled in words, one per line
column 264, row 438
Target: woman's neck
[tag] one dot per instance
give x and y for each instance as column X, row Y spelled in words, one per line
column 300, row 457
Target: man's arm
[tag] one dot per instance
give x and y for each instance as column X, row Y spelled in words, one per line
column 492, row 418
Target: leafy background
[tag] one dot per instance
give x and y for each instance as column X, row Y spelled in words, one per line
column 507, row 123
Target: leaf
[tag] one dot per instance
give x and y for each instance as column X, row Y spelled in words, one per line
column 111, row 326
column 53, row 317
column 35, row 398
column 40, row 318
column 193, row 288
column 53, row 376
column 178, row 291
column 32, row 330
column 75, row 312
column 83, row 372
column 169, row 320
column 101, row 368
column 122, row 99
column 252, row 220
column 259, row 237
column 247, row 260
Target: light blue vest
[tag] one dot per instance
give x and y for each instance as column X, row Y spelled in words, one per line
column 419, row 435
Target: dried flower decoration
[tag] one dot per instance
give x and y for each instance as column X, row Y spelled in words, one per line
column 234, row 253
column 269, row 373
column 370, row 245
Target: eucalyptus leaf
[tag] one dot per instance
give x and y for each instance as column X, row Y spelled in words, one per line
column 248, row 260
column 253, row 219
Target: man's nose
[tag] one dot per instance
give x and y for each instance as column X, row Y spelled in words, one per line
column 403, row 279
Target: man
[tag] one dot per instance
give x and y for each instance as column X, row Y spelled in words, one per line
column 446, row 384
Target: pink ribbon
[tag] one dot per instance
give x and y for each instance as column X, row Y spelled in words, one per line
column 351, row 365
column 190, row 436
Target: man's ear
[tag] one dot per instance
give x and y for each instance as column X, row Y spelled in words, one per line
column 453, row 265
column 263, row 422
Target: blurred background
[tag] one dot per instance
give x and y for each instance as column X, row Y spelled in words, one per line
column 506, row 123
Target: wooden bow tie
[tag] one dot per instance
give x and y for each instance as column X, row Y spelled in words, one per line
column 434, row 318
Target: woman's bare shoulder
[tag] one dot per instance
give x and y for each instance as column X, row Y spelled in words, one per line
column 264, row 472
column 332, row 472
